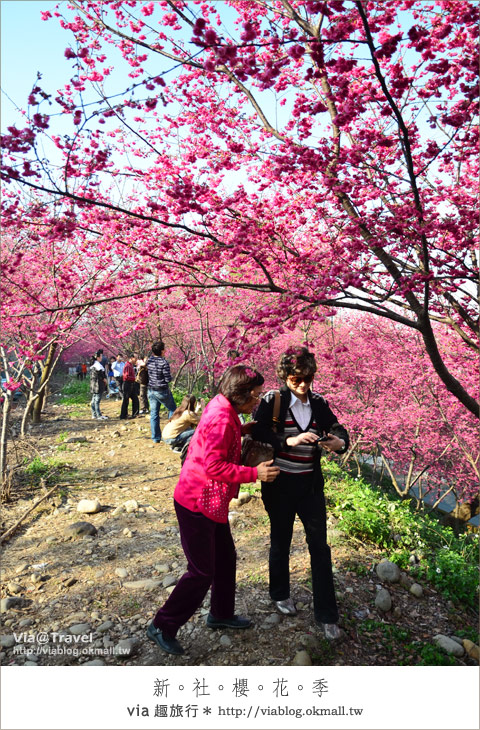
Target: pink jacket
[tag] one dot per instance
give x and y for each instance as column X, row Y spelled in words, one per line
column 211, row 475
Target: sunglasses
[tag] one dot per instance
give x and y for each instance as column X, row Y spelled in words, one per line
column 297, row 380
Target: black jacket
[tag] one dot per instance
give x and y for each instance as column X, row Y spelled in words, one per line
column 325, row 419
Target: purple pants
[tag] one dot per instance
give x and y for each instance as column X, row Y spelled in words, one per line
column 211, row 561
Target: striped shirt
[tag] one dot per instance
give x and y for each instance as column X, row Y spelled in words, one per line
column 159, row 374
column 297, row 459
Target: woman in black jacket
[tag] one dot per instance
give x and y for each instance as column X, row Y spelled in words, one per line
column 305, row 426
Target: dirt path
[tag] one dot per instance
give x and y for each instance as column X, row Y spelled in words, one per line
column 87, row 586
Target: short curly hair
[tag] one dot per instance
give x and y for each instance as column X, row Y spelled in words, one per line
column 237, row 382
column 296, row 361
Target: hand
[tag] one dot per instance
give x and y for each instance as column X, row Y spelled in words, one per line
column 267, row 473
column 303, row 438
column 333, row 444
column 247, row 427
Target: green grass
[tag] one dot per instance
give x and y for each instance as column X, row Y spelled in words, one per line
column 448, row 562
column 75, row 392
column 39, row 468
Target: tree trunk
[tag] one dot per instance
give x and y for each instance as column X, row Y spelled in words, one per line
column 46, row 372
column 7, row 407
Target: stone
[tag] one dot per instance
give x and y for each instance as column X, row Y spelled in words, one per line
column 121, row 572
column 449, row 645
column 94, row 663
column 14, row 602
column 126, row 647
column 30, row 664
column 169, row 580
column 89, row 506
column 50, row 539
column 273, row 620
column 79, row 629
column 14, row 588
column 162, row 567
column 25, row 622
column 225, row 641
column 79, row 529
column 21, row 568
column 76, row 440
column 416, row 590
column 7, row 641
column 471, row 649
column 302, row 659
column 106, row 626
column 383, row 600
column 233, row 518
column 131, row 505
column 70, row 582
column 147, row 584
column 309, row 642
column 405, row 580
column 388, row 571
column 118, row 511
column 243, row 498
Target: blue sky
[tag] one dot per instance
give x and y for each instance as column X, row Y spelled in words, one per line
column 28, row 45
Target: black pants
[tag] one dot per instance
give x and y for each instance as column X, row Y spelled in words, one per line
column 130, row 390
column 287, row 496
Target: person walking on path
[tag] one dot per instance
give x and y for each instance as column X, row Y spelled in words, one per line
column 159, row 376
column 305, row 426
column 210, row 478
column 129, row 388
column 84, row 370
column 98, row 385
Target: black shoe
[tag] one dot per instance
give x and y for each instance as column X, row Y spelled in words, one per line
column 236, row 622
column 168, row 644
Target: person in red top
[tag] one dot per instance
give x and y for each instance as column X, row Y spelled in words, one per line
column 129, row 388
column 210, row 478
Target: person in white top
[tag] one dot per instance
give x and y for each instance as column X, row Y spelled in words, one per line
column 117, row 368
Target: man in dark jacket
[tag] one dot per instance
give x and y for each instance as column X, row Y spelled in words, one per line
column 98, row 385
column 130, row 389
column 159, row 376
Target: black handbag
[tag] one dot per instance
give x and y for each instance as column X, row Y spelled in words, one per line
column 254, row 452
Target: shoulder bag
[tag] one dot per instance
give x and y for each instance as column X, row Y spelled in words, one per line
column 254, row 452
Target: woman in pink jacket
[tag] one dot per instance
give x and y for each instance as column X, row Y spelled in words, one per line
column 210, row 478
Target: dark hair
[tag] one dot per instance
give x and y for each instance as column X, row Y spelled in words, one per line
column 158, row 347
column 99, row 352
column 237, row 382
column 233, row 354
column 296, row 361
column 188, row 404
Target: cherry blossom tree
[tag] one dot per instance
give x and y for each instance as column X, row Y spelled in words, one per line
column 323, row 154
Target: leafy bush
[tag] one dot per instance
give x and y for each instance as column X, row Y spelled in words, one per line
column 448, row 571
column 449, row 562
